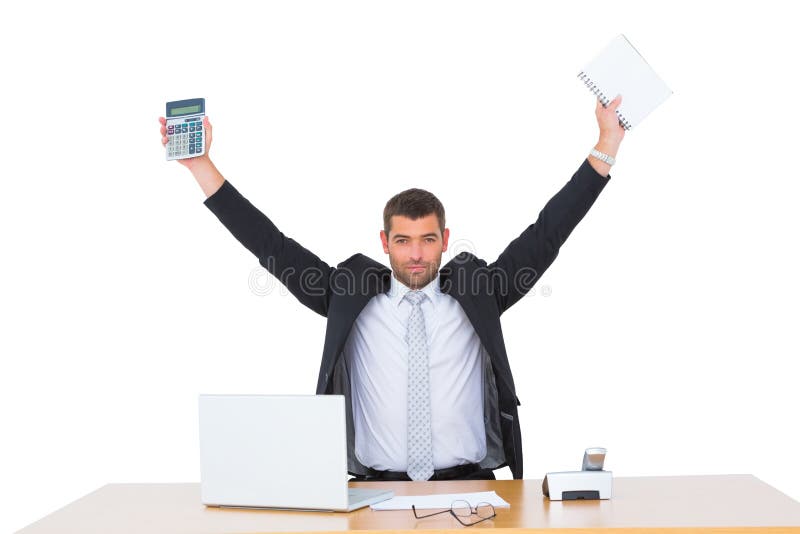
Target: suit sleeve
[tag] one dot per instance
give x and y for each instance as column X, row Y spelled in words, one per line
column 305, row 275
column 527, row 257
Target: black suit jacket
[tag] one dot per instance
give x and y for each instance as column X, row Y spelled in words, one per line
column 483, row 290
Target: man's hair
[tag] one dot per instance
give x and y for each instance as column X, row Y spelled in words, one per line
column 413, row 203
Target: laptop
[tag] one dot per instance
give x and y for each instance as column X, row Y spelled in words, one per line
column 277, row 451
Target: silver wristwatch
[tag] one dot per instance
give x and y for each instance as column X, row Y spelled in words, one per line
column 603, row 157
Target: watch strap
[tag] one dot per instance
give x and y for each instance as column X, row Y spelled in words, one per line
column 603, row 157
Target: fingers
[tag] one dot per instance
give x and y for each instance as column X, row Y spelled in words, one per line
column 164, row 138
column 207, row 127
column 613, row 105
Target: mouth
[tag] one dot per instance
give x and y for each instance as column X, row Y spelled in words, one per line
column 416, row 268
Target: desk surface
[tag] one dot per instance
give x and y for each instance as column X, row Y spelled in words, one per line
column 670, row 504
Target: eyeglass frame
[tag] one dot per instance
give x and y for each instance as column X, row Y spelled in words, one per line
column 472, row 511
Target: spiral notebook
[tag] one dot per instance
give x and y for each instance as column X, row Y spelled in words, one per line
column 621, row 70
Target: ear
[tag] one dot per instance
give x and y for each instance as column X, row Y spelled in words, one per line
column 385, row 242
column 445, row 239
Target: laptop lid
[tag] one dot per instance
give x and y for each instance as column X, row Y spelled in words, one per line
column 276, row 451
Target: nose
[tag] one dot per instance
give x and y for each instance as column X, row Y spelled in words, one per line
column 416, row 252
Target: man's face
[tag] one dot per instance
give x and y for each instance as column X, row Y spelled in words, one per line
column 415, row 249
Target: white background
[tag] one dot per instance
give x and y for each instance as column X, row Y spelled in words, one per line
column 670, row 334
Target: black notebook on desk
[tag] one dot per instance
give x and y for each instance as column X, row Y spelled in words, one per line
column 619, row 69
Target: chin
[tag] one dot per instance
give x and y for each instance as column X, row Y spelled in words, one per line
column 418, row 282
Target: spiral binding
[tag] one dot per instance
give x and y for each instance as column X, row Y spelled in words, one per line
column 602, row 97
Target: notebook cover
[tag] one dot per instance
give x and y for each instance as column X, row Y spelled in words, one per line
column 621, row 70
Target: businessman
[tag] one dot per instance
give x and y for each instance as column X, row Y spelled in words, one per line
column 417, row 350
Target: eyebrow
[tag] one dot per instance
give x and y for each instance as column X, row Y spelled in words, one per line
column 397, row 236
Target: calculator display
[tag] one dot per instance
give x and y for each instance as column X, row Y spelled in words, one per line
column 184, row 110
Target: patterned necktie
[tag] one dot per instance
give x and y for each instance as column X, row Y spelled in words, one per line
column 420, row 452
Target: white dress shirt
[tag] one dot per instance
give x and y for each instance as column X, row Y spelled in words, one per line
column 377, row 361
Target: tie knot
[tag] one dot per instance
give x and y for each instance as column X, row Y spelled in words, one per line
column 415, row 297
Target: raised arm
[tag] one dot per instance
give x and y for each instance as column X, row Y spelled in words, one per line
column 305, row 275
column 527, row 257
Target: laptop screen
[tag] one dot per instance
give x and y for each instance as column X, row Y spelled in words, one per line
column 281, row 451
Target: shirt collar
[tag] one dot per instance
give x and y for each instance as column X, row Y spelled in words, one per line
column 398, row 290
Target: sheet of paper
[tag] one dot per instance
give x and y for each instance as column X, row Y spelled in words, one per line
column 440, row 501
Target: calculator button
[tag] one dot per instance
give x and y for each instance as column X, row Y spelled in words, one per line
column 191, row 129
column 191, row 150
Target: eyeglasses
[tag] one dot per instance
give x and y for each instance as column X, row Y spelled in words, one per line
column 463, row 509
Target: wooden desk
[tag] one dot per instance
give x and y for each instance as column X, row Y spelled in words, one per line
column 727, row 503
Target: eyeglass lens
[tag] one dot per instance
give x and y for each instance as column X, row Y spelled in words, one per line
column 464, row 509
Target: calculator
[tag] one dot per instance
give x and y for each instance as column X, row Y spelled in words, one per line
column 185, row 128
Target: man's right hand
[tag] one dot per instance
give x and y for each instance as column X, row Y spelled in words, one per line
column 189, row 163
column 208, row 177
